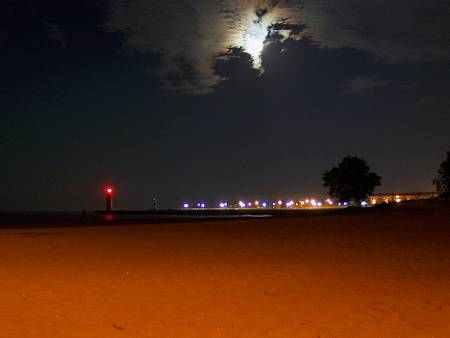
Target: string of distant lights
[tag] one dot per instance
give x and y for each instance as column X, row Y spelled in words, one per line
column 280, row 204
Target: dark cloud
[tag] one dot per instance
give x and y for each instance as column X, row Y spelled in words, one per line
column 54, row 33
column 393, row 30
column 3, row 36
column 23, row 18
column 363, row 84
column 426, row 100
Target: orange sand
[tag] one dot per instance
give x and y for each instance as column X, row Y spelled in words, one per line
column 383, row 274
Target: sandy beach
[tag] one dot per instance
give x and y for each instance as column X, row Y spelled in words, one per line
column 377, row 274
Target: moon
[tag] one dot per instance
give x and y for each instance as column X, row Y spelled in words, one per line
column 253, row 42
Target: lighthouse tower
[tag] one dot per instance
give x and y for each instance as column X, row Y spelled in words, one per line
column 109, row 203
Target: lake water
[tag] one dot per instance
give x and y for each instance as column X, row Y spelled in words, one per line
column 29, row 216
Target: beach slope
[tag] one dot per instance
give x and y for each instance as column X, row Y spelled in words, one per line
column 376, row 274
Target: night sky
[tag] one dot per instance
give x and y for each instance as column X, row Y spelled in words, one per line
column 207, row 99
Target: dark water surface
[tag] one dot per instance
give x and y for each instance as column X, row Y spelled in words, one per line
column 70, row 218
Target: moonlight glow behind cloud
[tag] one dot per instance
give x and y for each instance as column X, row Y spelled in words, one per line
column 190, row 35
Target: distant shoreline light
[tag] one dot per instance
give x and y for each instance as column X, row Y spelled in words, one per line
column 310, row 202
column 278, row 204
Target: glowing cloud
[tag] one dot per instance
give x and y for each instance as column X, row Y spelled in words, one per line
column 189, row 35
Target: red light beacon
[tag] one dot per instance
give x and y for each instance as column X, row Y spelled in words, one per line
column 109, row 193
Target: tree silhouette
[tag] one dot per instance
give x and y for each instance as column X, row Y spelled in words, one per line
column 351, row 180
column 442, row 182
